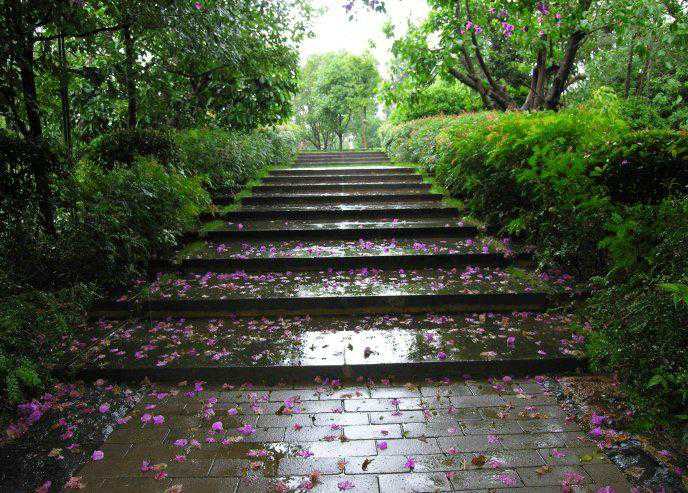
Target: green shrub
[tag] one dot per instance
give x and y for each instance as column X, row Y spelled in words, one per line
column 439, row 98
column 556, row 180
column 644, row 166
column 638, row 336
column 122, row 145
column 115, row 220
column 227, row 160
column 641, row 114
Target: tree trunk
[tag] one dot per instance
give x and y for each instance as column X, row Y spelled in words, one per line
column 562, row 75
column 642, row 77
column 629, row 70
column 64, row 97
column 130, row 74
column 364, row 137
column 41, row 167
column 341, row 142
column 541, row 78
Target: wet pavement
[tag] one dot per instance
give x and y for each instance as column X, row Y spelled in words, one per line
column 362, row 437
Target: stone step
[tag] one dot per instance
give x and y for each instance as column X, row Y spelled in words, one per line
column 215, row 256
column 333, row 199
column 359, row 188
column 342, row 171
column 350, row 291
column 347, row 157
column 318, row 164
column 237, row 348
column 409, row 210
column 335, row 179
column 341, row 157
column 427, row 227
column 273, row 264
column 329, row 248
column 301, row 155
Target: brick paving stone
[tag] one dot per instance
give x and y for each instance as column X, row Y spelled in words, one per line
column 604, row 473
column 494, row 427
column 381, row 432
column 432, row 429
column 409, row 446
column 370, row 405
column 206, row 485
column 471, row 448
column 300, row 466
column 133, row 485
column 414, row 482
column 395, row 392
column 566, row 456
column 472, row 479
column 396, row 417
column 341, row 449
column 445, row 390
column 189, row 468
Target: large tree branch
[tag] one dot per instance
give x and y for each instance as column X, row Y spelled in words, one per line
column 85, row 34
column 496, row 91
column 565, row 67
column 472, row 83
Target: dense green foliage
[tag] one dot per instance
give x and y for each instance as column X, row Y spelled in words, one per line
column 121, row 145
column 439, row 98
column 227, row 160
column 596, row 197
column 535, row 55
column 337, row 100
column 640, row 321
column 112, row 218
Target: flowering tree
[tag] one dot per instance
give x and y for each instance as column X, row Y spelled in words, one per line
column 539, row 42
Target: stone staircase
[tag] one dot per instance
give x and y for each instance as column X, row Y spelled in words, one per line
column 341, row 265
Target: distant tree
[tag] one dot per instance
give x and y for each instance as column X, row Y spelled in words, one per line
column 337, row 97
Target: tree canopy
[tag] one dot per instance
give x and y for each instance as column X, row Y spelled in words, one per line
column 529, row 54
column 337, row 98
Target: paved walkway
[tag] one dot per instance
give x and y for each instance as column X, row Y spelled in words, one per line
column 473, row 436
column 353, row 272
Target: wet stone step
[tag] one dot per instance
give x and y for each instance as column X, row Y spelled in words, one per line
column 408, row 210
column 341, row 254
column 314, row 188
column 338, row 292
column 340, row 154
column 337, row 162
column 331, row 199
column 340, row 230
column 343, row 171
column 336, row 179
column 342, row 159
column 338, row 248
column 480, row 342
column 381, row 192
column 355, row 282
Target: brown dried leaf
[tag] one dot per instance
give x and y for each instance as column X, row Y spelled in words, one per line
column 479, row 460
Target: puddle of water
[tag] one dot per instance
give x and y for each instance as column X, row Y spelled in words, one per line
column 306, row 341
